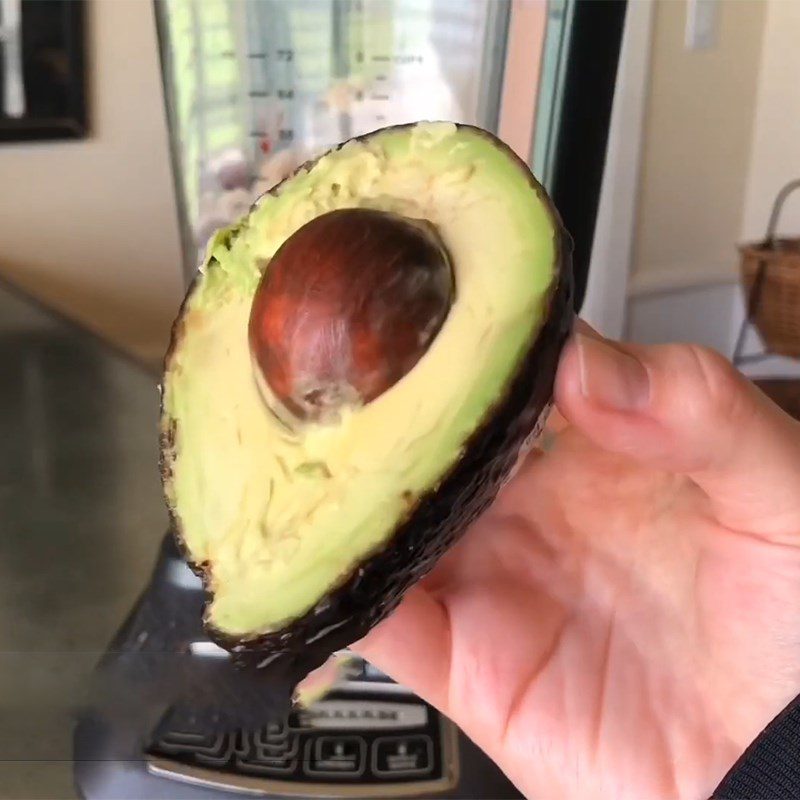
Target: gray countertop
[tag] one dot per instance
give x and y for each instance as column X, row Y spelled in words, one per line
column 81, row 517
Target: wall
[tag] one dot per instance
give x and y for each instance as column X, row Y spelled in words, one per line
column 704, row 302
column 775, row 156
column 91, row 226
column 697, row 138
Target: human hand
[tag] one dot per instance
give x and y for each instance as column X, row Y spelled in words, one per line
column 625, row 619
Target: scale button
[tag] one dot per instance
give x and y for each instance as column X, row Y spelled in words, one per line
column 402, row 756
column 267, row 765
column 288, row 748
column 336, row 755
column 273, row 736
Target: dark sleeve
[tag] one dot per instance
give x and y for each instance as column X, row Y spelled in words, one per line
column 770, row 768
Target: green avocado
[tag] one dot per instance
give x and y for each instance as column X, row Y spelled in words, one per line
column 307, row 532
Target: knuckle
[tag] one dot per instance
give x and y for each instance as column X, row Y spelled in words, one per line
column 709, row 385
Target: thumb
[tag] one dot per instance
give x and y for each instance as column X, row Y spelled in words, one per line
column 686, row 409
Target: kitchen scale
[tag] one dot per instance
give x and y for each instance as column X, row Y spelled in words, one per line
column 170, row 717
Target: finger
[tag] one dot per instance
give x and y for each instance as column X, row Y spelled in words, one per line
column 322, row 680
column 413, row 646
column 686, row 409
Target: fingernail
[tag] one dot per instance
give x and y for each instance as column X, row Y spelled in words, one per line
column 610, row 377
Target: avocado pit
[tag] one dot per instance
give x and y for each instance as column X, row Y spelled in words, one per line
column 347, row 306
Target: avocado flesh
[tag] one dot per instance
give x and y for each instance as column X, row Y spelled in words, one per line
column 277, row 519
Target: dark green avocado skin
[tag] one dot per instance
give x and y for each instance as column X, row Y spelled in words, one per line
column 439, row 519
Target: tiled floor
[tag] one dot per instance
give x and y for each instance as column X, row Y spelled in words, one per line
column 81, row 517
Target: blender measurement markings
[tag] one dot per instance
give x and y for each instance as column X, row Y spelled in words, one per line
column 284, row 134
column 401, row 59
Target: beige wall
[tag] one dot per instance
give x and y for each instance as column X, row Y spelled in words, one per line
column 698, row 133
column 91, row 226
column 775, row 156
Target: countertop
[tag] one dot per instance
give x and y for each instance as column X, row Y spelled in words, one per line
column 81, row 519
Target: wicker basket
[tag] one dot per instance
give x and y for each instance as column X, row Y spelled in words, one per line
column 771, row 277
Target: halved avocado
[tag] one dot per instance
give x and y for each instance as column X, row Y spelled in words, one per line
column 307, row 532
